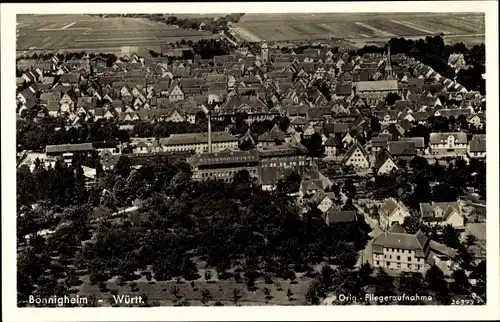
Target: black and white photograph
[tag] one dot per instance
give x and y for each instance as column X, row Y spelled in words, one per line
column 251, row 159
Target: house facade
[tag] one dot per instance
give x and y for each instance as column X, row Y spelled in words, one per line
column 448, row 144
column 357, row 157
column 400, row 251
column 477, row 146
column 198, row 142
column 392, row 212
column 442, row 213
column 224, row 165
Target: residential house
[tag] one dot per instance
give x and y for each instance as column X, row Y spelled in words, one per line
column 384, row 163
column 477, row 146
column 402, row 150
column 400, row 251
column 331, row 146
column 357, row 157
column 392, row 212
column 334, row 216
column 175, row 93
column 442, row 213
column 419, row 143
column 323, row 200
column 379, row 143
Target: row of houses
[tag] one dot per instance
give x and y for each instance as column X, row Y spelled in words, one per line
column 126, row 88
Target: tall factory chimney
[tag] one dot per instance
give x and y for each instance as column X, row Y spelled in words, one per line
column 209, row 115
column 209, row 133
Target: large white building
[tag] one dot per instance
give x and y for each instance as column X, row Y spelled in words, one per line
column 198, row 142
column 448, row 144
column 398, row 250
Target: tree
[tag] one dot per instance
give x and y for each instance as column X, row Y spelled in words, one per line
column 435, row 282
column 412, row 224
column 176, row 293
column 384, row 283
column 470, row 240
column 123, row 166
column 290, row 184
column 349, row 188
column 391, row 98
column 312, row 296
column 375, row 124
column 236, row 296
column 411, row 283
column 208, row 275
column 451, row 237
column 267, row 293
column 242, row 177
column 206, row 297
column 444, row 193
column 291, row 276
column 314, row 145
column 365, row 274
column 460, row 284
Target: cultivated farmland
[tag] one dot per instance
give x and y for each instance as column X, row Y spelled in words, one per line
column 360, row 27
column 44, row 33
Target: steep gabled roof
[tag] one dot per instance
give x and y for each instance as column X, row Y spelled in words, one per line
column 353, row 149
column 382, row 158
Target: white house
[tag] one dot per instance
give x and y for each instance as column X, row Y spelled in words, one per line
column 357, row 157
column 442, row 213
column 400, row 251
column 384, row 163
column 392, row 212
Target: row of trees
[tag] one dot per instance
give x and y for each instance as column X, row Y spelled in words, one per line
column 35, row 136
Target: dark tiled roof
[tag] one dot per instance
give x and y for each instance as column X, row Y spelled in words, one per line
column 196, row 138
column 417, row 242
column 427, row 210
column 64, row 148
column 334, row 216
column 382, row 158
column 478, row 143
column 401, row 148
column 419, row 141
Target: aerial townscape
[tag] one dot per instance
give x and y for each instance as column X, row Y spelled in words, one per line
column 176, row 160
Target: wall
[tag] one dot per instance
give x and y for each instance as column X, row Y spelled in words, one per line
column 389, row 259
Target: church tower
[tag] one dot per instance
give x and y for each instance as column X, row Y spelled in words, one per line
column 264, row 53
column 388, row 63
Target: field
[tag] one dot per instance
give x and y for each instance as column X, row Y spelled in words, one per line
column 360, row 28
column 44, row 33
column 221, row 291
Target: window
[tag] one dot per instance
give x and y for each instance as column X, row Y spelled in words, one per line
column 390, row 256
column 418, row 266
column 409, row 258
column 399, row 265
column 398, row 258
column 387, row 263
column 409, row 266
column 378, row 263
column 385, row 256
